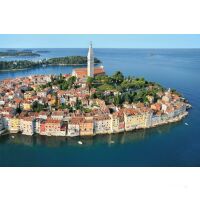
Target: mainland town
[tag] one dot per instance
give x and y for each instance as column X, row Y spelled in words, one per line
column 86, row 103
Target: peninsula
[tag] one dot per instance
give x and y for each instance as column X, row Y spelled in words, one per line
column 62, row 61
column 86, row 103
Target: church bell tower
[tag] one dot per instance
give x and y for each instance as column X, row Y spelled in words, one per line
column 90, row 61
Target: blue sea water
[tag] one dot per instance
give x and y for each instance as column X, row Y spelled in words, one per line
column 170, row 145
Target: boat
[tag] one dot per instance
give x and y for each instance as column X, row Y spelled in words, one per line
column 12, row 136
column 112, row 142
column 186, row 124
column 80, row 142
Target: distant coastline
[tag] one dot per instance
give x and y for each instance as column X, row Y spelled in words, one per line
column 15, row 53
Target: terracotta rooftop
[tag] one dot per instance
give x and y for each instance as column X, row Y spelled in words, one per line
column 82, row 72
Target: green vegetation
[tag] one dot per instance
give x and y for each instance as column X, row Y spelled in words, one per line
column 105, row 87
column 61, row 82
column 70, row 60
column 37, row 107
column 25, row 64
column 118, row 89
column 176, row 92
column 17, row 65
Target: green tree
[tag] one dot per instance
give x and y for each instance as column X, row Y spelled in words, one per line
column 89, row 82
column 118, row 100
column 71, row 81
column 37, row 107
column 118, row 77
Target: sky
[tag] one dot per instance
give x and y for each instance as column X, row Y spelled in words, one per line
column 99, row 40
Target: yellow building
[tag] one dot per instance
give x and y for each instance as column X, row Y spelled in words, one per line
column 14, row 125
column 52, row 101
column 27, row 106
column 135, row 119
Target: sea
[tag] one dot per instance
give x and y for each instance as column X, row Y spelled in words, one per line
column 172, row 145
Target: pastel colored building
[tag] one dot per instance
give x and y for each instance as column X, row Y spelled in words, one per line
column 86, row 127
column 52, row 127
column 102, row 124
column 73, row 128
column 26, row 106
column 27, row 125
column 117, row 122
column 14, row 125
column 135, row 119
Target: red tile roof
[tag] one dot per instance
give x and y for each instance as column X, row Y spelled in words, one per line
column 82, row 72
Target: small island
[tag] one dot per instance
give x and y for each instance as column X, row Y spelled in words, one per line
column 15, row 53
column 86, row 103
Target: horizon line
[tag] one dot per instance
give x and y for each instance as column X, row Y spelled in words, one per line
column 100, row 47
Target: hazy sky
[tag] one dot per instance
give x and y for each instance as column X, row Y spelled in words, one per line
column 99, row 41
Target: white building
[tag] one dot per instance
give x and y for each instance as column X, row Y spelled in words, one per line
column 27, row 125
column 73, row 129
column 102, row 124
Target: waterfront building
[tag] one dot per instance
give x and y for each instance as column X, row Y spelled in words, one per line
column 37, row 125
column 14, row 124
column 86, row 127
column 170, row 112
column 73, row 128
column 27, row 125
column 179, row 109
column 156, row 118
column 131, row 118
column 117, row 122
column 102, row 124
column 52, row 127
column 137, row 118
column 5, row 119
column 147, row 117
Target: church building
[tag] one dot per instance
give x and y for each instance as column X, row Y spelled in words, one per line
column 90, row 71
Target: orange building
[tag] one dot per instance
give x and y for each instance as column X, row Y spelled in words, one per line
column 86, row 127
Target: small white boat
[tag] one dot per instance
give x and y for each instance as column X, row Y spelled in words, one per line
column 186, row 124
column 12, row 136
column 79, row 142
column 112, row 142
